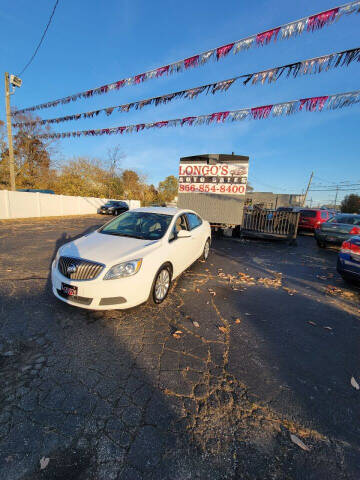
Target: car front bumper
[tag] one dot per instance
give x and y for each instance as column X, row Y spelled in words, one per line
column 99, row 294
column 105, row 212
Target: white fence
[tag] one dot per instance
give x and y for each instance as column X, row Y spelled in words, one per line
column 27, row 204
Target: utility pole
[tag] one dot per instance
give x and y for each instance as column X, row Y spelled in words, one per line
column 336, row 195
column 9, row 131
column 307, row 189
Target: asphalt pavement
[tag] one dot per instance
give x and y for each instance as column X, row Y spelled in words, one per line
column 244, row 372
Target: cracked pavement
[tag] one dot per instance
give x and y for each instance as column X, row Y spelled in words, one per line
column 258, row 343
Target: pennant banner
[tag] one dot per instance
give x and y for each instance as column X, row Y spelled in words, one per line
column 311, row 104
column 297, row 27
column 306, row 67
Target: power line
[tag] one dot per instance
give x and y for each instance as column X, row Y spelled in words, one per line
column 338, row 185
column 337, row 189
column 41, row 40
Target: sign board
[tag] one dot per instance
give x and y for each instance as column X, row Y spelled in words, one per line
column 218, row 178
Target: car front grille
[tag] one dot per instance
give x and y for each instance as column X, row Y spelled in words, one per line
column 79, row 269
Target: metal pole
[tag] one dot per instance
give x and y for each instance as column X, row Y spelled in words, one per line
column 9, row 132
column 307, row 189
column 336, row 195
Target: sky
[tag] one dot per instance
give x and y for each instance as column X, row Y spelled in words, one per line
column 91, row 43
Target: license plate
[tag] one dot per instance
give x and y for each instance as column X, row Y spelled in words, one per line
column 69, row 290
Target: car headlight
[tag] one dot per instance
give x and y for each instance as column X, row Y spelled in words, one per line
column 125, row 269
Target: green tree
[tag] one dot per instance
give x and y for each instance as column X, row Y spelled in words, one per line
column 168, row 189
column 351, row 204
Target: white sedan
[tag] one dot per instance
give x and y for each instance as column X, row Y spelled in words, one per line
column 131, row 259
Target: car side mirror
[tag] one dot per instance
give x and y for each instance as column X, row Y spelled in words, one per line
column 183, row 234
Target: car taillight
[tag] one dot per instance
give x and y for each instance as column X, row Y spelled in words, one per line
column 345, row 247
column 349, row 247
column 317, row 224
column 355, row 231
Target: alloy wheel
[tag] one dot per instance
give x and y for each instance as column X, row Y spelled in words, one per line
column 162, row 285
column 206, row 250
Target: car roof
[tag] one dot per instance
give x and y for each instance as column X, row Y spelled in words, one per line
column 315, row 209
column 348, row 214
column 162, row 210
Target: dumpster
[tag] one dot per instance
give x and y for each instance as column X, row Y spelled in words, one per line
column 214, row 186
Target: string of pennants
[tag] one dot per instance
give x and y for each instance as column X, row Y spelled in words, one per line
column 305, row 67
column 312, row 104
column 297, row 27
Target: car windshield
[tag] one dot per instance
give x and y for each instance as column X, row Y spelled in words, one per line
column 144, row 225
column 348, row 219
column 110, row 204
column 308, row 213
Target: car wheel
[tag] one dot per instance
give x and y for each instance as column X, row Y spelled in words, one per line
column 206, row 250
column 161, row 285
column 321, row 244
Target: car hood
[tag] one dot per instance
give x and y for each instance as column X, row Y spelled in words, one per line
column 108, row 249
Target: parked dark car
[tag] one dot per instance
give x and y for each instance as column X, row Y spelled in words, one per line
column 339, row 228
column 348, row 264
column 311, row 218
column 113, row 207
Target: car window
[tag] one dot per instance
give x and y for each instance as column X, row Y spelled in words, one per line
column 324, row 215
column 308, row 213
column 347, row 219
column 194, row 220
column 144, row 225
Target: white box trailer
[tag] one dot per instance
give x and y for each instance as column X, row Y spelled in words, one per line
column 214, row 185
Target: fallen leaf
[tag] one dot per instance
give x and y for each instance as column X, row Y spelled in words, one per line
column 222, row 329
column 196, row 324
column 197, row 290
column 238, row 320
column 312, row 323
column 354, row 383
column 298, row 442
column 328, row 328
column 44, row 462
column 175, row 335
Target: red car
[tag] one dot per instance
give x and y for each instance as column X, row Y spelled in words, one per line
column 311, row 218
